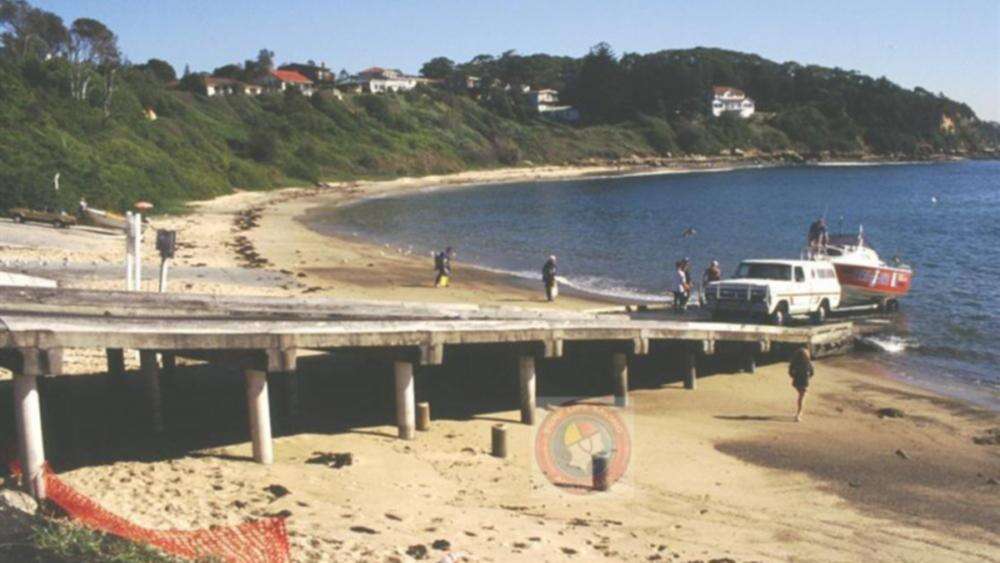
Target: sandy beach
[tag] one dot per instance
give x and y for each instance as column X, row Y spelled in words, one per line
column 721, row 473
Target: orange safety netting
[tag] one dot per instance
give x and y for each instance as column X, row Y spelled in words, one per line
column 260, row 541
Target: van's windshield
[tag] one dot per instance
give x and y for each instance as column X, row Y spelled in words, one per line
column 757, row 271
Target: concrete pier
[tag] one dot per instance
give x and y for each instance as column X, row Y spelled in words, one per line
column 263, row 335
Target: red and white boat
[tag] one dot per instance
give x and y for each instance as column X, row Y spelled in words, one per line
column 864, row 278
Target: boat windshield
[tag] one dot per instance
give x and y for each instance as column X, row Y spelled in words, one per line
column 764, row 271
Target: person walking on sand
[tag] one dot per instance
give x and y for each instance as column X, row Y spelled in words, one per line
column 549, row 278
column 712, row 274
column 442, row 264
column 800, row 368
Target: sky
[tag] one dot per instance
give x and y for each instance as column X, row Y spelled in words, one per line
column 943, row 46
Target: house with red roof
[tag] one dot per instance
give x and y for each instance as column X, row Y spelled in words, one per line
column 726, row 99
column 282, row 80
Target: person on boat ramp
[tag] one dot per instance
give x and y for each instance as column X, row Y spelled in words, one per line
column 442, row 264
column 800, row 369
column 711, row 274
column 682, row 287
column 549, row 279
column 818, row 235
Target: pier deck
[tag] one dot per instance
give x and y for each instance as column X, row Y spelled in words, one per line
column 265, row 335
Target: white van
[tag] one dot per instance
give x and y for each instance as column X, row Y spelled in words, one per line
column 777, row 290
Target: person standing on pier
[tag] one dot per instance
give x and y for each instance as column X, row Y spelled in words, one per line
column 800, row 368
column 712, row 274
column 442, row 264
column 549, row 278
column 681, row 288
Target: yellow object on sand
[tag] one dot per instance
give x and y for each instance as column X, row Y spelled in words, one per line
column 443, row 281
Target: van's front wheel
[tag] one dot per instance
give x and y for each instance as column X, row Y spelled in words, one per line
column 780, row 315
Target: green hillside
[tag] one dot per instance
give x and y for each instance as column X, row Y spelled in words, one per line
column 69, row 104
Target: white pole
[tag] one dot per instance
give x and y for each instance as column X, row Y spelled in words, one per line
column 405, row 411
column 137, row 250
column 29, row 436
column 526, row 372
column 164, row 265
column 259, row 409
column 129, row 276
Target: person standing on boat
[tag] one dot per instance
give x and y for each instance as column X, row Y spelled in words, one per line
column 442, row 264
column 818, row 235
column 800, row 369
column 549, row 279
column 712, row 274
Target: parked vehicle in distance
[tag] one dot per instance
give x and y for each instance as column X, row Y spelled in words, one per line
column 776, row 291
column 58, row 219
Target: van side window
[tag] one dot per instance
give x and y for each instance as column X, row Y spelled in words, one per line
column 800, row 276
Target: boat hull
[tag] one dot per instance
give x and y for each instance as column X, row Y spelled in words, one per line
column 864, row 285
column 104, row 219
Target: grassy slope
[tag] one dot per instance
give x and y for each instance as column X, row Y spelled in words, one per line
column 201, row 147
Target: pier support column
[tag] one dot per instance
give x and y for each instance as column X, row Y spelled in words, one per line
column 405, row 399
column 526, row 375
column 258, row 407
column 150, row 369
column 750, row 359
column 116, row 362
column 292, row 395
column 30, row 446
column 169, row 362
column 690, row 368
column 619, row 371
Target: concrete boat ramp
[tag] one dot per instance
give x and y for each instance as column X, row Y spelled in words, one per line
column 263, row 336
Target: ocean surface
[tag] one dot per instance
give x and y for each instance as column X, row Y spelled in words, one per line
column 621, row 236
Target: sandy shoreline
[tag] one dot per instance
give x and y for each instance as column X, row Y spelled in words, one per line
column 721, row 472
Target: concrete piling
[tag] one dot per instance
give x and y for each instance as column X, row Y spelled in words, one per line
column 31, row 448
column 150, row 369
column 619, row 372
column 116, row 362
column 405, row 415
column 599, row 471
column 258, row 407
column 423, row 417
column 690, row 369
column 498, row 438
column 526, row 375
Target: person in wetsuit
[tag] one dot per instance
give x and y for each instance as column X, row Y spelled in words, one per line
column 442, row 264
column 549, row 279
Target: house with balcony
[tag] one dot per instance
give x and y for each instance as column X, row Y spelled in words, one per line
column 377, row 80
column 726, row 99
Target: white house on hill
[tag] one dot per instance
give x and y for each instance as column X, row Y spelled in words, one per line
column 376, row 80
column 726, row 99
column 546, row 103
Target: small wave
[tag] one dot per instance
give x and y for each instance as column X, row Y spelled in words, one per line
column 888, row 344
column 594, row 285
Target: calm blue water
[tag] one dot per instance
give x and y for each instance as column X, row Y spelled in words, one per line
column 623, row 235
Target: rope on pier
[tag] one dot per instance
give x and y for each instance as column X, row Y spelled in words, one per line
column 258, row 541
